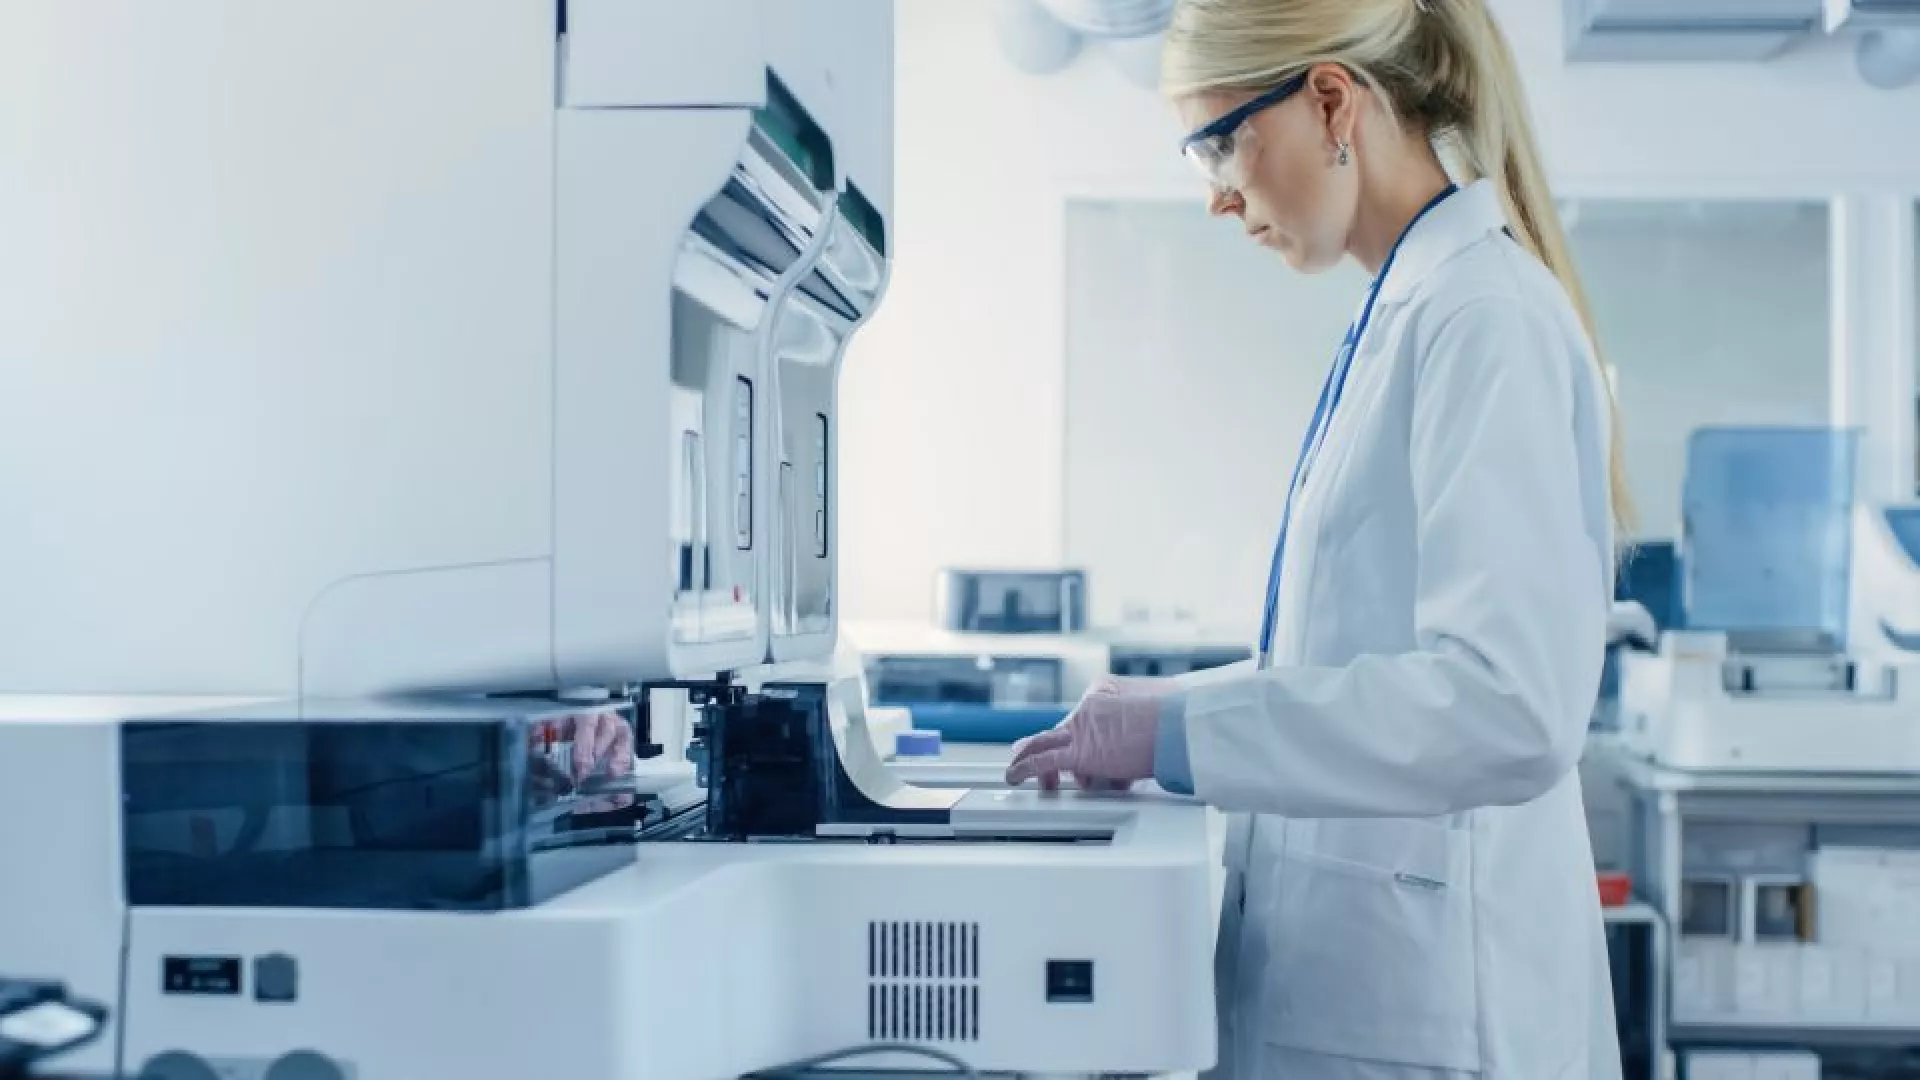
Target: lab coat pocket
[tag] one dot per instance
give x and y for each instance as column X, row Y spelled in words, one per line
column 1375, row 953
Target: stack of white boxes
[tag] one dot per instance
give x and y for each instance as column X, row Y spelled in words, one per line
column 1759, row 1065
column 1861, row 967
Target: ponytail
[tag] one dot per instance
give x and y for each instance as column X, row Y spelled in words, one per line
column 1478, row 82
column 1442, row 65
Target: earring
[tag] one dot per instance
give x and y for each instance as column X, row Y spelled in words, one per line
column 1346, row 153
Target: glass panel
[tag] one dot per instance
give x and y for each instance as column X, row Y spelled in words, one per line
column 1712, row 314
column 1768, row 542
column 787, row 123
column 1193, row 362
column 808, row 348
column 442, row 805
column 712, row 493
column 865, row 217
column 740, row 245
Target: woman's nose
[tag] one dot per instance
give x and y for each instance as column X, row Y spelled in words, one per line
column 1225, row 201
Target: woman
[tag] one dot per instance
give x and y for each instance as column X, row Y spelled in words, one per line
column 1411, row 889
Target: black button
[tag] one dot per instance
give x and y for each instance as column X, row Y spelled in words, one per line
column 276, row 978
column 177, row 1065
column 304, row 1065
column 1070, row 982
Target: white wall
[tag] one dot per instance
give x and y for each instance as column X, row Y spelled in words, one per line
column 952, row 398
column 955, row 396
column 1193, row 360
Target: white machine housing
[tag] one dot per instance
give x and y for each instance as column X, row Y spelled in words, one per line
column 389, row 291
column 1687, row 707
column 1699, row 704
column 353, row 347
column 699, row 960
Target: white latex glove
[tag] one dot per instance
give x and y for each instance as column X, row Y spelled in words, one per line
column 1106, row 743
column 1631, row 624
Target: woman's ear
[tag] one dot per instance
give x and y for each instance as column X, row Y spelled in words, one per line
column 1336, row 98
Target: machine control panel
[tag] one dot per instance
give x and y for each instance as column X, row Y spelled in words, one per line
column 211, row 975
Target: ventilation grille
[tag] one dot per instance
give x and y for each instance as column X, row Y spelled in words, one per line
column 923, row 981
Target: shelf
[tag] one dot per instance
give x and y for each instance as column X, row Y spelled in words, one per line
column 1795, row 1033
column 1635, row 913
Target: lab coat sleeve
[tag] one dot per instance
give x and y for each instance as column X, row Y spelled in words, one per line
column 1491, row 705
column 1211, row 676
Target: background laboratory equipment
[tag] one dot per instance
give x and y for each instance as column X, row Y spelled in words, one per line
column 1763, row 790
column 529, row 414
column 1011, row 601
column 1765, row 674
column 1009, row 654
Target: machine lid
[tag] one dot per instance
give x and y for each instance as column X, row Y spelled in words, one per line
column 1767, row 535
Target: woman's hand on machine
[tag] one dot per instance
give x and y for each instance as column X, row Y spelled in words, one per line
column 1105, row 744
column 602, row 744
column 602, row 750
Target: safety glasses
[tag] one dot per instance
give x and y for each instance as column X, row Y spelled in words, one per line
column 1214, row 148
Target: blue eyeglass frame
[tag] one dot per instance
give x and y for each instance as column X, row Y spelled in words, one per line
column 1229, row 123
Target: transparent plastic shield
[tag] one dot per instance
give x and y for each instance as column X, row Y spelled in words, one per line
column 470, row 804
column 1767, row 523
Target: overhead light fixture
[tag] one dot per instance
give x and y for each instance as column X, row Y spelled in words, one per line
column 1041, row 37
column 1890, row 59
column 1034, row 41
column 1113, row 19
column 1889, row 53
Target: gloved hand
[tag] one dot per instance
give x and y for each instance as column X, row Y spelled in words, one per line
column 595, row 753
column 1106, row 743
column 1632, row 625
column 602, row 744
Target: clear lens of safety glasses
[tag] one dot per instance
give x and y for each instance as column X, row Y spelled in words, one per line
column 1214, row 157
column 1219, row 148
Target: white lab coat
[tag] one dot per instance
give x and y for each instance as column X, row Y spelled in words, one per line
column 1411, row 888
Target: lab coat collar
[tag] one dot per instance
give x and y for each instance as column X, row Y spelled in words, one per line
column 1449, row 228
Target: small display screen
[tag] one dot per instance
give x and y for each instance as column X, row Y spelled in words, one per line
column 796, row 133
column 219, row 975
column 864, row 217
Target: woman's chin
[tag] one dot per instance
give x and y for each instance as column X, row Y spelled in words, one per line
column 1304, row 260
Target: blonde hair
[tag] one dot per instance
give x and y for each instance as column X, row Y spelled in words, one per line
column 1442, row 65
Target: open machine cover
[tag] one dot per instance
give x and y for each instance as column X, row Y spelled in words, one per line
column 431, row 805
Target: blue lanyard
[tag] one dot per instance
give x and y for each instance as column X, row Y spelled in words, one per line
column 1330, row 391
